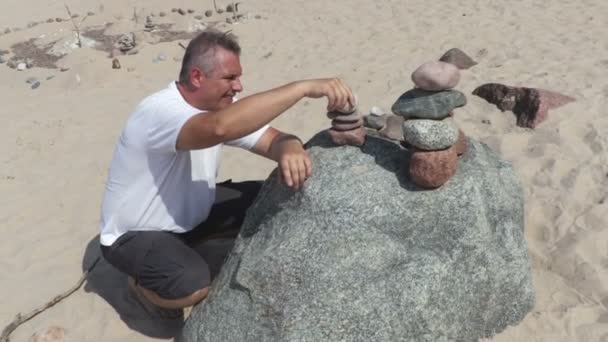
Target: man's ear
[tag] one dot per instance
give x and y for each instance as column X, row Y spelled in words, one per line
column 196, row 77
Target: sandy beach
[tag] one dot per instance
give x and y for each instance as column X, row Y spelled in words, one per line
column 57, row 139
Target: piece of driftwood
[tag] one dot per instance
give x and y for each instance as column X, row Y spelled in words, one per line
column 20, row 319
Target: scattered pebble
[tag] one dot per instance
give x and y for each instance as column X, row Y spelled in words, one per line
column 75, row 15
column 58, row 20
column 21, row 66
column 229, row 8
column 50, row 20
column 208, row 13
column 190, row 10
column 230, row 20
column 486, row 121
column 35, row 85
column 64, row 69
column 257, row 16
column 29, row 63
column 174, row 10
column 90, row 13
column 162, row 57
column 11, row 63
column 162, row 14
column 220, row 10
column 50, row 77
column 377, row 111
column 198, row 17
column 115, row 64
column 32, row 24
column 7, row 30
column 181, row 11
column 31, row 80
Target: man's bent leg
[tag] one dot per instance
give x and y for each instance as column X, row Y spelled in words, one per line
column 167, row 272
column 232, row 200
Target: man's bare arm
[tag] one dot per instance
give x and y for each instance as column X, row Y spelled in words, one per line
column 294, row 162
column 252, row 112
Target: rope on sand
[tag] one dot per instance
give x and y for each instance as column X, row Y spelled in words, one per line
column 20, row 319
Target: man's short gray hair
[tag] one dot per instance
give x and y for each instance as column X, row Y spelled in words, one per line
column 201, row 51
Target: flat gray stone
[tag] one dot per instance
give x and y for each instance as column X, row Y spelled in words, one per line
column 430, row 135
column 375, row 121
column 422, row 104
column 360, row 253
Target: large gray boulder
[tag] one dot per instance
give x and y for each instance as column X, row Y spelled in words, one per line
column 363, row 254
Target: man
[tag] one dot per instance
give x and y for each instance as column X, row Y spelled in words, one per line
column 161, row 197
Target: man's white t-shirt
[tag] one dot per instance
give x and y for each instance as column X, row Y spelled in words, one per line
column 153, row 186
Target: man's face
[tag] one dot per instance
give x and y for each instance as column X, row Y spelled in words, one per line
column 216, row 90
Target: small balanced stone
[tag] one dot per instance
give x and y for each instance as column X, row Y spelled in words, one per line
column 377, row 111
column 162, row 14
column 346, row 126
column 432, row 169
column 375, row 121
column 393, row 129
column 462, row 144
column 181, row 11
column 208, row 13
column 430, row 135
column 355, row 137
column 458, row 58
column 355, row 116
column 423, row 104
column 435, row 76
column 35, row 85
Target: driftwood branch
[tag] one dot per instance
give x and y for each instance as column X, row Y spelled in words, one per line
column 76, row 26
column 20, row 319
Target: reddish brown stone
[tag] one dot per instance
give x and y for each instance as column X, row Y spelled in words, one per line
column 355, row 137
column 530, row 105
column 461, row 145
column 431, row 169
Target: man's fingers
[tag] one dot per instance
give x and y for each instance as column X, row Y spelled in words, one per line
column 302, row 171
column 286, row 173
column 295, row 175
column 308, row 166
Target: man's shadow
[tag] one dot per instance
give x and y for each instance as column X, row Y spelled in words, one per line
column 112, row 286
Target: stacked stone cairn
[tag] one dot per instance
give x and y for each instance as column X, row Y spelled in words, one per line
column 347, row 126
column 429, row 129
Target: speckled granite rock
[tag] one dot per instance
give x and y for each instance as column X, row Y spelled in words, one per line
column 361, row 254
column 430, row 135
column 422, row 104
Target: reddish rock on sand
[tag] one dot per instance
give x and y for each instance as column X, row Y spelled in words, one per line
column 461, row 145
column 530, row 105
column 355, row 137
column 431, row 169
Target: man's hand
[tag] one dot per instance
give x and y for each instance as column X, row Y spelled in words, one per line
column 338, row 94
column 295, row 165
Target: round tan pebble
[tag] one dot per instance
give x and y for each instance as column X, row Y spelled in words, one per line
column 431, row 169
column 354, row 116
column 52, row 334
column 436, row 75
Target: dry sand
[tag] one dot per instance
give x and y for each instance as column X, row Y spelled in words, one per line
column 56, row 141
